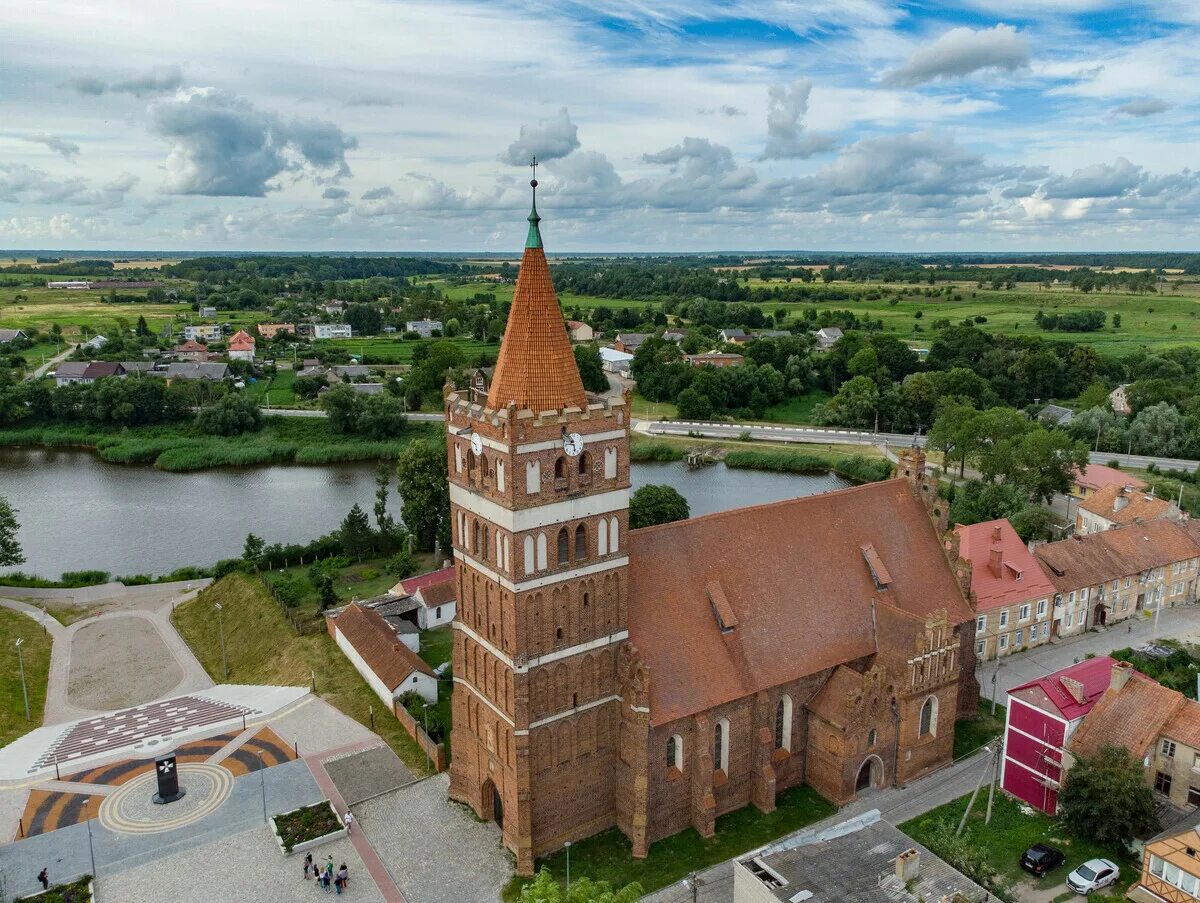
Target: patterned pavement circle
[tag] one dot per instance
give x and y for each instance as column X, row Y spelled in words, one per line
column 131, row 811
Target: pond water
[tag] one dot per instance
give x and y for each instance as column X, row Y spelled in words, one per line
column 78, row 512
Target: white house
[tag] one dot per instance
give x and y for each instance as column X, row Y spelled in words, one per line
column 11, row 335
column 580, row 332
column 424, row 328
column 76, row 284
column 332, row 331
column 615, row 361
column 380, row 656
column 203, row 332
column 432, row 597
column 96, row 343
column 827, row 337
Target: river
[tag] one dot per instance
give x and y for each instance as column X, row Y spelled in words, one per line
column 78, row 512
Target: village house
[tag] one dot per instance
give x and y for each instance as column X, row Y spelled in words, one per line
column 432, row 598
column 203, row 332
column 191, row 350
column 580, row 332
column 11, row 335
column 425, row 328
column 1091, row 479
column 270, row 330
column 352, row 372
column 388, row 666
column 1159, row 726
column 735, row 336
column 1013, row 598
column 629, row 342
column 95, row 343
column 827, row 337
column 1170, row 866
column 614, row 361
column 715, row 359
column 1107, row 577
column 241, row 346
column 1119, row 401
column 674, row 335
column 1042, row 717
column 1119, row 504
column 332, row 331
column 86, row 372
column 578, row 642
column 1055, row 415
column 189, row 370
column 206, row 311
column 478, row 380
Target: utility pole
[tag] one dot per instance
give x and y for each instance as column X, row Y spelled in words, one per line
column 24, row 687
column 995, row 777
column 568, row 868
column 994, row 683
column 221, row 627
column 974, row 793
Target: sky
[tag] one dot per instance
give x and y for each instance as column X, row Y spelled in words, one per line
column 662, row 125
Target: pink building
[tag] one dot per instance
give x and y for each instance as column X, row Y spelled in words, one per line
column 1042, row 716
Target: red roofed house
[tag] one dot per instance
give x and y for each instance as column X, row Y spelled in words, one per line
column 1013, row 598
column 191, row 350
column 1042, row 717
column 1122, row 504
column 1095, row 477
column 241, row 346
column 379, row 655
column 435, row 597
column 653, row 680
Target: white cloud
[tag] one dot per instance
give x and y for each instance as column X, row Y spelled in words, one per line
column 69, row 150
column 964, row 51
column 787, row 137
column 550, row 139
column 1142, row 107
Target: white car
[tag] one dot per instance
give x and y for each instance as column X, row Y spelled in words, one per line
column 1093, row 875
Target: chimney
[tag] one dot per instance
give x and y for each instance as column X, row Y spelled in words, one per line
column 996, row 533
column 1120, row 675
column 1120, row 502
column 908, row 865
column 996, row 562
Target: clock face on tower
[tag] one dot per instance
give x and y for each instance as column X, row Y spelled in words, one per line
column 573, row 444
column 477, row 444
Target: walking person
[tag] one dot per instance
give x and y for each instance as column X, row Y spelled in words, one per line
column 344, row 874
column 348, row 819
column 308, row 865
column 44, row 877
column 326, row 879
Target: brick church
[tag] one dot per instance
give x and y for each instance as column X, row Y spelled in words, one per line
column 656, row 679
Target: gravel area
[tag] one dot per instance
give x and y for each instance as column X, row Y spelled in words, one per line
column 436, row 850
column 318, row 726
column 119, row 662
column 369, row 773
column 241, row 868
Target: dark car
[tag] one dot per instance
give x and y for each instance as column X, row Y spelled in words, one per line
column 1040, row 859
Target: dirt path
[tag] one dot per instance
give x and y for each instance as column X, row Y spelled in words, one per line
column 119, row 661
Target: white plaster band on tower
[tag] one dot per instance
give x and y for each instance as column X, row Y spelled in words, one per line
column 542, row 515
column 520, row 586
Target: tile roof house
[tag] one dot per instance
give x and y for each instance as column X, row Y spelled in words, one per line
column 1119, row 400
column 11, row 335
column 734, row 335
column 191, row 350
column 1170, row 865
column 86, row 372
column 1094, row 477
column 380, row 656
column 434, row 597
column 241, row 346
column 1105, row 577
column 214, row 372
column 1055, row 415
column 1040, row 720
column 580, row 332
column 1121, row 503
column 629, row 342
column 270, row 330
column 715, row 359
column 1013, row 597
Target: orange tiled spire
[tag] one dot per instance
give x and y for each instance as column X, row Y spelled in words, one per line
column 536, row 368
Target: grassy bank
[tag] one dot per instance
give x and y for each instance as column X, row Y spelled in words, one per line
column 36, row 652
column 262, row 648
column 183, row 447
column 858, row 468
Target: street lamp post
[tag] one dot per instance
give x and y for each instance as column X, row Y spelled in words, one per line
column 221, row 629
column 24, row 687
column 91, row 850
column 568, row 867
column 693, row 881
column 262, row 779
column 425, row 721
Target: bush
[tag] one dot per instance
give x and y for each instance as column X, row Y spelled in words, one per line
column 401, row 565
column 231, row 416
column 640, row 451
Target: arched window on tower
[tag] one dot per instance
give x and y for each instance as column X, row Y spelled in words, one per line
column 602, row 538
column 483, row 467
column 721, row 746
column 470, row 460
column 533, row 477
column 675, row 752
column 529, row 565
column 610, row 462
column 560, row 468
column 585, row 464
column 499, row 475
column 564, row 547
column 929, row 711
column 475, row 539
column 541, row 552
column 783, row 724
column 613, row 545
column 580, row 542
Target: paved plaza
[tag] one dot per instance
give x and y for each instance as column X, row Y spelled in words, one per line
column 367, row 773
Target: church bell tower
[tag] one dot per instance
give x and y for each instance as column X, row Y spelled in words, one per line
column 539, row 498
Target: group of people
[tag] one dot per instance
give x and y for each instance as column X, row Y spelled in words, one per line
column 325, row 875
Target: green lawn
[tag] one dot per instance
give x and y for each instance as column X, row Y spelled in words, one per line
column 641, row 409
column 1009, row 835
column 608, row 856
column 262, row 648
column 392, row 349
column 796, row 410
column 437, row 645
column 274, row 391
column 361, row 580
column 36, row 651
column 970, row 734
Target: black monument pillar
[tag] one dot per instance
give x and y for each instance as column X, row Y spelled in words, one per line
column 168, row 779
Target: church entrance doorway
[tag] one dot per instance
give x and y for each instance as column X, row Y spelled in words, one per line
column 868, row 775
column 493, row 803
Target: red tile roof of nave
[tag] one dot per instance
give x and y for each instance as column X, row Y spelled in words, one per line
column 794, row 575
column 536, row 368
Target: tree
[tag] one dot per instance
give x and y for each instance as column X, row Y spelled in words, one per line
column 1032, row 522
column 693, row 405
column 1106, row 799
column 10, row 549
column 380, row 417
column 383, row 479
column 953, row 432
column 231, row 415
column 423, row 484
column 653, row 504
column 341, row 405
column 252, row 551
column 587, row 358
column 1040, row 462
column 855, row 403
column 546, row 889
column 355, row 533
column 975, row 501
column 321, row 578
column 1158, row 430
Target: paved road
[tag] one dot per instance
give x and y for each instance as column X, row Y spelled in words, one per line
column 294, row 412
column 44, row 368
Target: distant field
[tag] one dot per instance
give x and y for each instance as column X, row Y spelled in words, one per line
column 395, row 350
column 44, row 307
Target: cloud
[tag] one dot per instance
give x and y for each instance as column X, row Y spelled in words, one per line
column 963, row 51
column 335, row 194
column 550, row 139
column 1101, row 180
column 724, row 110
column 68, row 149
column 786, row 136
column 376, row 194
column 159, row 80
column 1146, row 106
column 372, row 100
column 222, row 145
column 26, row 185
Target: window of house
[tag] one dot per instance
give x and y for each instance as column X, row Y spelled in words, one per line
column 1004, row 641
column 564, row 546
column 1041, row 609
column 1071, row 597
column 580, row 542
column 1023, row 613
column 1070, row 619
column 1127, row 582
column 928, row 727
column 1116, row 585
column 1083, row 594
column 1193, row 796
column 1168, row 748
column 721, row 746
column 783, row 723
column 1162, row 783
column 1196, row 761
column 979, row 648
column 981, row 623
column 1033, row 633
column 1004, row 618
column 1019, row 638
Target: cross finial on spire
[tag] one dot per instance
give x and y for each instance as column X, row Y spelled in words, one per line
column 534, row 239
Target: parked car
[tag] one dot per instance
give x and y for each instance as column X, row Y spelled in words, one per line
column 1041, row 859
column 1093, row 875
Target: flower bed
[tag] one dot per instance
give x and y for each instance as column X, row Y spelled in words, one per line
column 77, row 891
column 307, row 827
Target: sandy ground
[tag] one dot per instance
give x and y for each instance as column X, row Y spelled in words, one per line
column 118, row 662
